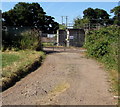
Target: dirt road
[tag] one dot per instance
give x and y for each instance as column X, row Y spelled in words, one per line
column 65, row 78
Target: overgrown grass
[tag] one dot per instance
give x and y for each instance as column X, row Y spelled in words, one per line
column 47, row 44
column 103, row 45
column 17, row 64
column 8, row 59
column 0, row 60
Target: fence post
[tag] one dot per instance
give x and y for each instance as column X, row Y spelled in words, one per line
column 68, row 34
column 57, row 37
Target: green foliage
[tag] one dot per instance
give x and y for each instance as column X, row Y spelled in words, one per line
column 18, row 64
column 25, row 16
column 29, row 14
column 62, row 26
column 89, row 13
column 8, row 59
column 80, row 23
column 96, row 16
column 93, row 17
column 10, row 40
column 103, row 45
column 116, row 11
column 30, row 40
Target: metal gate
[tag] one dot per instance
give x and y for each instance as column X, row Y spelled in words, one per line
column 61, row 38
column 71, row 37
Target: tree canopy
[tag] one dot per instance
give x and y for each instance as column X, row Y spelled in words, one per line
column 96, row 15
column 93, row 16
column 79, row 22
column 116, row 11
column 30, row 14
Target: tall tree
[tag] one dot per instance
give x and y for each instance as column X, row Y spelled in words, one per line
column 90, row 14
column 102, row 16
column 96, row 15
column 29, row 14
column 116, row 11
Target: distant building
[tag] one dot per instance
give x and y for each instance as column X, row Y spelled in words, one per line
column 51, row 35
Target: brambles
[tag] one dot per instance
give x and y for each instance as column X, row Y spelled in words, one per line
column 103, row 45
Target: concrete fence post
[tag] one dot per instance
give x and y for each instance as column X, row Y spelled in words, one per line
column 67, row 39
column 57, row 37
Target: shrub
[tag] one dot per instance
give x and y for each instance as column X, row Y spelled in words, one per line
column 103, row 45
column 10, row 40
column 28, row 39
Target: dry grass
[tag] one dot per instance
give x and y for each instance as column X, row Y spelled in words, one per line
column 17, row 64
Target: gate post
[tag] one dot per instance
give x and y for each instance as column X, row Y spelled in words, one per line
column 67, row 39
column 57, row 37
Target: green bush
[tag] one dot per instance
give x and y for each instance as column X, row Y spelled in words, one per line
column 103, row 45
column 10, row 40
column 30, row 40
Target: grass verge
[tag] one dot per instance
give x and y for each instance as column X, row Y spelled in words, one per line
column 45, row 44
column 17, row 64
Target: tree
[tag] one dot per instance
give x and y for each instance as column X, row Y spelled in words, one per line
column 116, row 11
column 90, row 14
column 61, row 26
column 96, row 16
column 102, row 16
column 80, row 23
column 29, row 14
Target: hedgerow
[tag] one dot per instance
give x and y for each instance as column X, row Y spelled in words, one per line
column 103, row 44
column 28, row 39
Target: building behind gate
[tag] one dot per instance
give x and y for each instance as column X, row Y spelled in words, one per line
column 71, row 37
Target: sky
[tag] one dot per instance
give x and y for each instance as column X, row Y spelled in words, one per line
column 70, row 9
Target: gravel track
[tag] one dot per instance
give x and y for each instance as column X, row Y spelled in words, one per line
column 65, row 78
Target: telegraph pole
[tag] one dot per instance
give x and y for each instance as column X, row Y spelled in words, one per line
column 62, row 19
column 66, row 24
column 66, row 21
column 66, row 17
